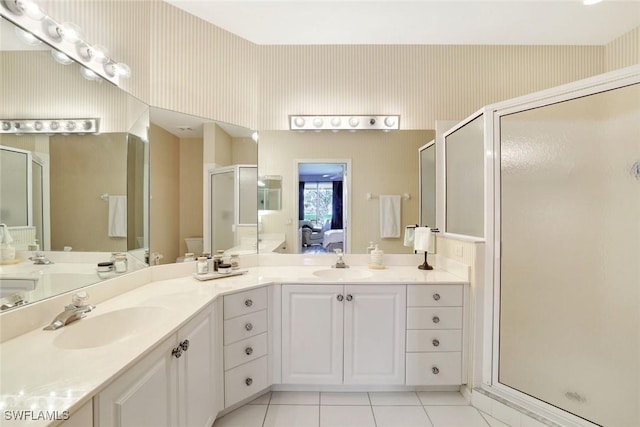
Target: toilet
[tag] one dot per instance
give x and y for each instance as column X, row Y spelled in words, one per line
column 194, row 245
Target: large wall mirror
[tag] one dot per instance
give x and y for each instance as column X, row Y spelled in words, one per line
column 194, row 192
column 379, row 163
column 79, row 197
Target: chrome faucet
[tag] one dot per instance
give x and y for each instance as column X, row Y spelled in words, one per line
column 40, row 259
column 340, row 262
column 72, row 312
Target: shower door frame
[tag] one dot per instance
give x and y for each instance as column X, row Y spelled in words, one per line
column 491, row 321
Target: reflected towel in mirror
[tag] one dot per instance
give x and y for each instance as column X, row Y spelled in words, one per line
column 390, row 216
column 117, row 216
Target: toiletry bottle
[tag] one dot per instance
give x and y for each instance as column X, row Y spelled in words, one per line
column 202, row 266
column 376, row 257
column 120, row 263
column 370, row 247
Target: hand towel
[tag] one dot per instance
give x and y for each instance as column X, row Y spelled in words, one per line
column 424, row 240
column 409, row 235
column 117, row 216
column 389, row 217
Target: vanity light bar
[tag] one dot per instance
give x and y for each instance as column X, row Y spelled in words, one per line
column 344, row 122
column 64, row 38
column 50, row 126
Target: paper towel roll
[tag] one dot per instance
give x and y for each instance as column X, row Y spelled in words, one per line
column 424, row 240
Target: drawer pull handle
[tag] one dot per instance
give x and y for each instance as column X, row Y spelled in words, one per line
column 436, row 297
column 435, row 370
column 349, row 297
column 248, row 351
column 248, row 381
column 176, row 352
column 248, row 302
column 184, row 345
column 340, row 297
column 435, row 343
column 436, row 319
column 248, row 326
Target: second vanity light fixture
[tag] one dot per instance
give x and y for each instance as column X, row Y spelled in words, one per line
column 65, row 39
column 49, row 126
column 335, row 123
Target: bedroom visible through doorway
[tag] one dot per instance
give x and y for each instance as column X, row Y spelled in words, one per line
column 322, row 207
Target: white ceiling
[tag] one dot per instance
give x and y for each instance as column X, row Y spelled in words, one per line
column 304, row 22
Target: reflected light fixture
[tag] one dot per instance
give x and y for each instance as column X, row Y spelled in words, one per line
column 66, row 40
column 336, row 123
column 27, row 37
column 50, row 126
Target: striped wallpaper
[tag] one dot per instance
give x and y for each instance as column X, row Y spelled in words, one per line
column 183, row 63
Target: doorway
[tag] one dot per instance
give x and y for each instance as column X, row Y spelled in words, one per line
column 322, row 205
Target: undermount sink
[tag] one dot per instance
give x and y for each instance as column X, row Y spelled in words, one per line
column 342, row 273
column 103, row 329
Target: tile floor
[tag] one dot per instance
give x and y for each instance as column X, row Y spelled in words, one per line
column 396, row 409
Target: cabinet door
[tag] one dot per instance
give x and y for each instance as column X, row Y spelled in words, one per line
column 143, row 396
column 196, row 372
column 312, row 321
column 374, row 334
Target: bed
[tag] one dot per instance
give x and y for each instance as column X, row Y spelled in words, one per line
column 333, row 239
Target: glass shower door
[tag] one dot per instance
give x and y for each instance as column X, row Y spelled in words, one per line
column 222, row 219
column 570, row 258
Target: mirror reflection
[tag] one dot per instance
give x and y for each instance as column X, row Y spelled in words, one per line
column 203, row 181
column 381, row 163
column 71, row 200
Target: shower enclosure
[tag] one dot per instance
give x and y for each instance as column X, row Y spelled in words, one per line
column 232, row 213
column 564, row 246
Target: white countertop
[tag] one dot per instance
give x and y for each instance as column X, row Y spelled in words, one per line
column 37, row 375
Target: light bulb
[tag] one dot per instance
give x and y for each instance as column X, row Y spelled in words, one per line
column 255, row 137
column 299, row 122
column 70, row 32
column 354, row 121
column 31, row 9
column 318, row 122
column 37, row 125
column 89, row 75
column 336, row 122
column 390, row 121
column 27, row 37
column 54, row 125
column 61, row 58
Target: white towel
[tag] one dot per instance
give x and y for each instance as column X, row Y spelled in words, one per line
column 117, row 216
column 389, row 217
column 409, row 235
column 424, row 240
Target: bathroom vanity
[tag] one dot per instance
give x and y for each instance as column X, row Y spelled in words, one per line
column 194, row 350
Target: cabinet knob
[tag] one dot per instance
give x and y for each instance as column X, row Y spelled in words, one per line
column 184, row 345
column 248, row 381
column 436, row 319
column 248, row 326
column 435, row 343
column 349, row 297
column 176, row 352
column 340, row 297
column 436, row 297
column 435, row 370
column 248, row 350
column 248, row 302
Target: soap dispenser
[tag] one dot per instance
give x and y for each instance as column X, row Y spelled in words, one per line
column 376, row 258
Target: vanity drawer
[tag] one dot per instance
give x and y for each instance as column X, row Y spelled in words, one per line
column 245, row 351
column 245, row 302
column 434, row 295
column 245, row 380
column 434, row 318
column 246, row 326
column 434, row 340
column 434, row 368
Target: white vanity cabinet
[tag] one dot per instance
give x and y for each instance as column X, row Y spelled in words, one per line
column 435, row 320
column 174, row 385
column 245, row 345
column 343, row 334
